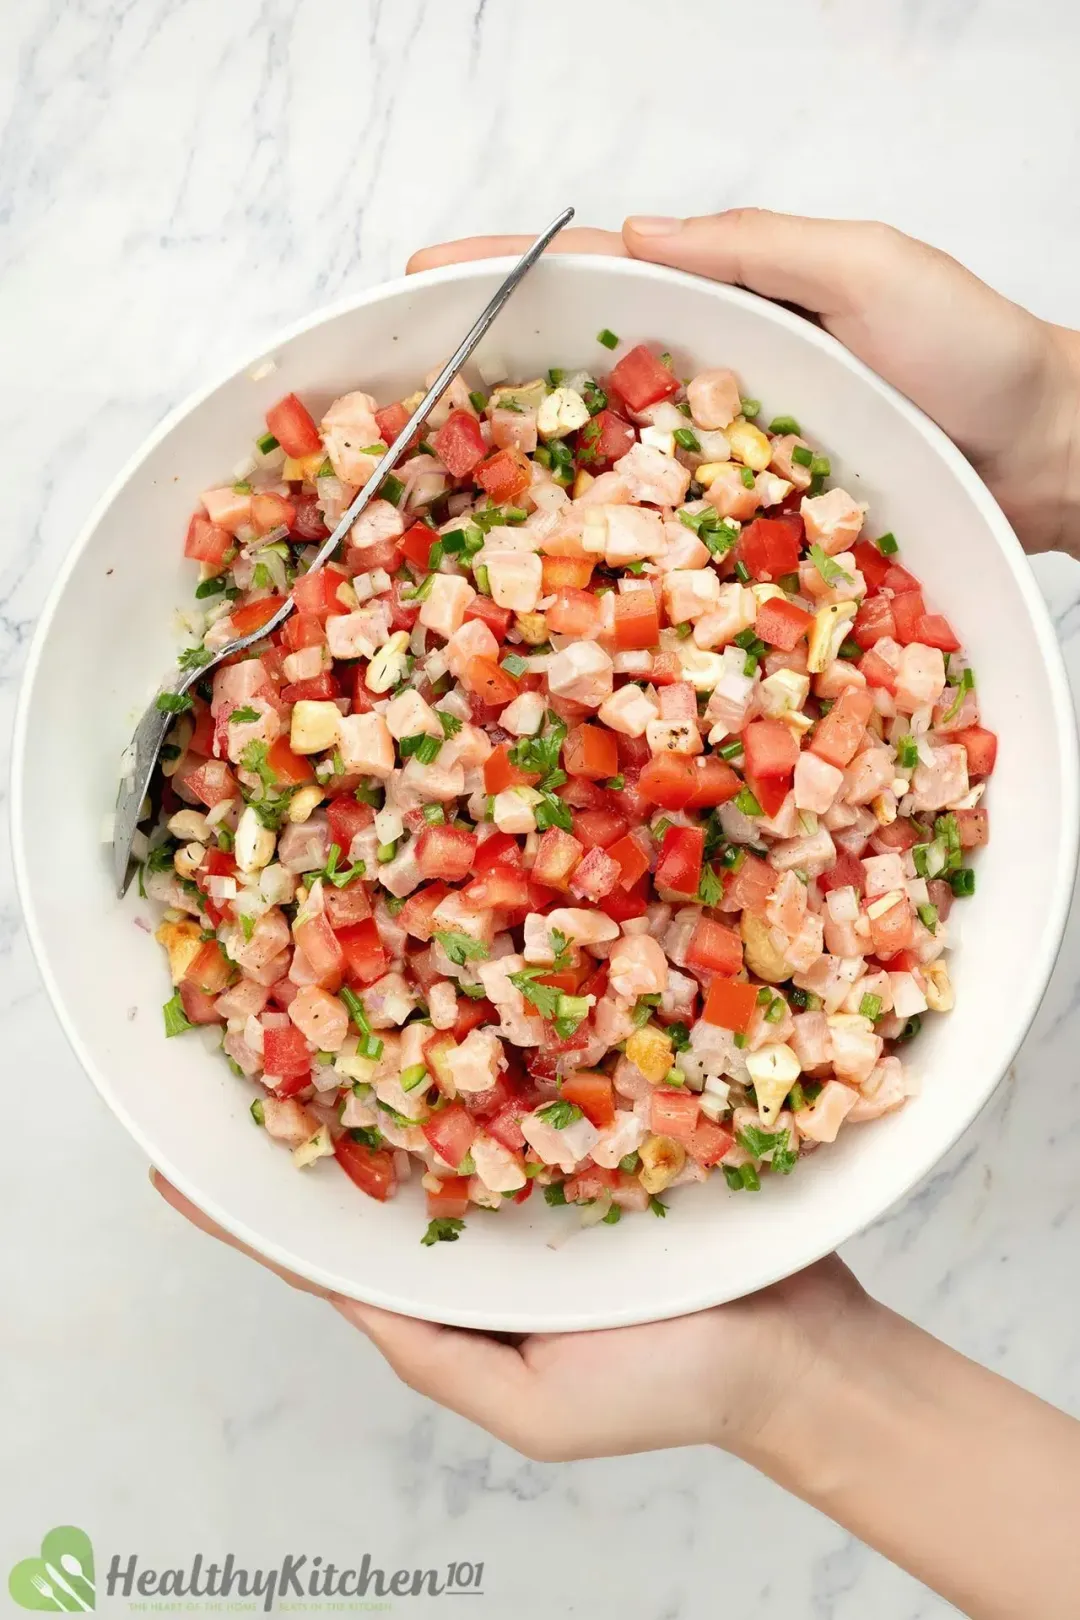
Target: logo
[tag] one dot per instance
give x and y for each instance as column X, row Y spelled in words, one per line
column 61, row 1577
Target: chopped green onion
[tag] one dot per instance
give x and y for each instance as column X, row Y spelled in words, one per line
column 661, row 827
column 928, row 916
column 966, row 684
column 764, row 996
column 434, row 815
column 750, row 1178
column 480, row 575
column 802, row 456
column 554, row 1194
column 796, row 1098
column 370, row 1047
column 963, row 881
column 820, row 466
column 733, row 1177
column 266, row 444
column 747, row 803
column 747, row 476
column 887, row 544
column 789, row 583
column 607, row 338
column 731, row 750
column 413, row 1076
column 741, row 571
column 422, row 746
column 355, row 1008
column 210, row 587
column 740, row 1041
column 392, row 489
column 784, row 424
column 750, row 408
column 477, row 401
column 870, row 1007
column 514, row 664
column 776, row 1011
column 911, row 1028
column 613, row 1216
column 386, row 852
column 907, row 752
column 615, row 784
column 258, row 1113
column 687, row 439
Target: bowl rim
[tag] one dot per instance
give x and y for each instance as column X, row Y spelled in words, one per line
column 826, row 1237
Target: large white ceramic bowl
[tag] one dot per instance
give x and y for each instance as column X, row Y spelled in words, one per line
column 106, row 637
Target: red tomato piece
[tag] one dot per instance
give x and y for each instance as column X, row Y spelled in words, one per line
column 675, row 782
column 642, row 379
column 900, row 834
column 293, row 426
column 770, row 791
column 288, row 768
column 445, row 852
column 559, row 571
column 679, row 866
column 346, row 906
column 451, row 1132
column 208, row 543
column 556, row 856
column 675, row 1114
column 417, row 914
column 321, row 946
column 908, row 612
column 451, row 1201
column 974, row 828
column 500, row 849
column 316, row 594
column 632, row 860
column 347, row 817
column 500, row 774
column 390, row 421
column 622, row 904
column 837, row 737
column 898, row 578
column 198, row 1006
column 934, row 630
column 302, row 630
column 494, row 685
column 459, row 444
column 286, row 1052
column 202, row 734
column 209, row 969
column 211, row 782
column 637, row 621
column 750, row 887
column 769, row 547
column 714, row 948
column 730, row 1004
column 981, row 747
column 595, row 876
column 504, row 476
column 496, row 618
column 603, row 439
column 877, row 671
column 846, row 872
column 574, row 613
column 362, row 951
column 874, row 621
column 710, row 1142
column 498, row 887
column 591, row 751
column 416, row 544
column 505, row 1126
column 873, row 567
column 271, row 511
column 472, row 1015
column 320, row 688
column 894, row 930
column 781, row 623
column 371, row 1169
column 593, row 1094
column 770, row 750
column 251, row 616
column 308, row 523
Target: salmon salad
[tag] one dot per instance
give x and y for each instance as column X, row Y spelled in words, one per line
column 594, row 824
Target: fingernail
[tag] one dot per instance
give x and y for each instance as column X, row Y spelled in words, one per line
column 653, row 225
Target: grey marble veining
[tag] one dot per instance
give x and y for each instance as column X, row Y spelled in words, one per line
column 178, row 178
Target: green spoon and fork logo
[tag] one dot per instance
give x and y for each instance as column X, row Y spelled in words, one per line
column 61, row 1577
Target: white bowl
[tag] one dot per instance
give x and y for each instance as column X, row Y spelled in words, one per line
column 107, row 636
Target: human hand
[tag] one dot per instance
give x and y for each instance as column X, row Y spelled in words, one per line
column 728, row 1377
column 1004, row 385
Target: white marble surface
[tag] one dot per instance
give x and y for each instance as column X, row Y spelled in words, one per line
column 179, row 177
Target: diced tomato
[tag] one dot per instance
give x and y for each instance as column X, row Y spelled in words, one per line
column 874, row 621
column 492, row 684
column 900, row 834
column 556, row 856
column 347, row 817
column 308, row 523
column 212, row 782
column 769, row 547
column 679, row 866
column 592, row 1182
column 908, row 612
column 603, row 439
column 451, row 1132
column 591, row 751
column 319, row 689
column 637, row 621
column 288, row 768
column 894, row 930
column 504, row 476
column 871, row 565
column 499, row 886
column 710, row 1142
column 404, row 610
column 208, row 543
column 459, row 444
column 595, row 876
column 675, row 1114
column 593, row 1094
column 472, row 1015
column 934, row 630
column 302, row 630
column 209, row 969
column 286, row 1052
column 974, row 828
column 714, row 948
column 642, row 379
column 271, row 511
column 981, row 747
column 574, row 613
column 770, row 748
column 622, row 904
column 877, row 671
column 371, row 1169
column 847, row 871
column 770, row 791
column 632, row 859
column 316, row 593
column 500, row 849
column 559, row 571
column 417, row 914
column 198, row 1006
column 505, row 1126
column 451, row 1201
column 251, row 616
column 730, row 1004
column 390, row 421
column 500, row 774
column 445, row 852
column 675, row 782
column 293, row 426
column 496, row 618
column 898, row 578
column 416, row 544
column 781, row 623
column 363, row 952
column 202, row 733
column 837, row 737
column 385, row 554
column 321, row 946
column 347, row 905
column 750, row 887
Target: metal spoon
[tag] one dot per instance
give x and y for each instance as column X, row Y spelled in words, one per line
column 151, row 730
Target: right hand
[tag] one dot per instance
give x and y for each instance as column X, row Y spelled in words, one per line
column 1004, row 385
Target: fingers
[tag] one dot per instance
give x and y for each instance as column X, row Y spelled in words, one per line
column 481, row 1380
column 829, row 266
column 191, row 1212
column 579, row 239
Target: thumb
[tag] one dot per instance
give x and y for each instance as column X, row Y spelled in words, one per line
column 831, row 267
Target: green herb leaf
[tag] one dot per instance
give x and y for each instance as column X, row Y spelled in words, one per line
column 176, row 1019
column 462, row 948
column 246, row 716
column 172, row 702
column 555, row 1194
column 658, row 1207
column 450, row 723
column 444, row 1229
column 559, row 1114
column 829, row 570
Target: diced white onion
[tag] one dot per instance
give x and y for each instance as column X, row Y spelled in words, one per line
column 264, row 368
column 492, row 368
column 244, row 468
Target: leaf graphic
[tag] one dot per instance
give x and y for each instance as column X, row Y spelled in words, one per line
column 22, row 1588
